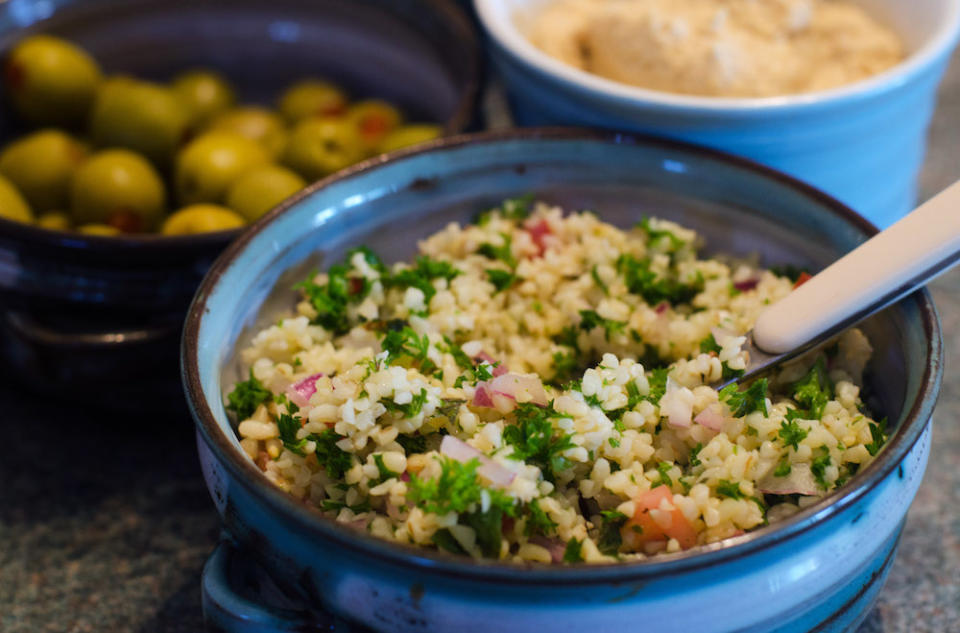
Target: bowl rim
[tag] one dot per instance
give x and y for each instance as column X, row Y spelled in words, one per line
column 460, row 120
column 502, row 29
column 311, row 522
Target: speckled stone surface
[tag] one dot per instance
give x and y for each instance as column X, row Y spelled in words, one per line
column 105, row 522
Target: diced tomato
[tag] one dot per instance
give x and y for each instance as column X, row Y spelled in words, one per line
column 802, row 279
column 643, row 530
column 538, row 231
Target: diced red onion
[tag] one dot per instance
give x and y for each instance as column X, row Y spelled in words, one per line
column 747, row 284
column 392, row 511
column 489, row 469
column 677, row 409
column 800, row 481
column 300, row 392
column 711, row 417
column 483, row 397
column 538, row 233
column 498, row 370
column 661, row 307
column 555, row 546
column 482, row 355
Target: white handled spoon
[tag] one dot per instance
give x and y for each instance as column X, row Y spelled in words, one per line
column 885, row 268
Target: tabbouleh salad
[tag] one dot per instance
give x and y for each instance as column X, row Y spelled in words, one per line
column 536, row 386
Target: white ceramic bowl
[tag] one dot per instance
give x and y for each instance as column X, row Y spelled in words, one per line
column 864, row 142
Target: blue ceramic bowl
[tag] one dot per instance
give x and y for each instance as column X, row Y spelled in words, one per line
column 820, row 569
column 89, row 309
column 863, row 143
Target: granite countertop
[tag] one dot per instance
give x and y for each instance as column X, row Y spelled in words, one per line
column 105, row 522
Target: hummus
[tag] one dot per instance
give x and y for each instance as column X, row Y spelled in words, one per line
column 723, row 48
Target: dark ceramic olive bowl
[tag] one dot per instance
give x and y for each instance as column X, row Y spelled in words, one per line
column 83, row 309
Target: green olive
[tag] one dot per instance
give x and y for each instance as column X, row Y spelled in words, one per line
column 118, row 188
column 309, row 98
column 41, row 166
column 318, row 147
column 51, row 81
column 12, row 204
column 201, row 218
column 407, row 135
column 374, row 120
column 261, row 189
column 207, row 167
column 257, row 124
column 139, row 115
column 55, row 221
column 104, row 230
column 205, row 93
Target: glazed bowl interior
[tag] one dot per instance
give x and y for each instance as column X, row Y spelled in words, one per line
column 739, row 207
column 927, row 28
column 261, row 47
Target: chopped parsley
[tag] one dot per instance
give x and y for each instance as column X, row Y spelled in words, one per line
column 567, row 336
column 406, row 347
column 422, row 274
column 385, row 473
column 664, row 469
column 247, row 396
column 412, row 444
column 589, row 320
column 445, row 541
column 509, row 209
column 695, row 455
column 783, row 467
column 488, row 527
column 878, row 438
column 658, row 384
column 814, row 390
column 538, row 521
column 564, row 366
column 473, row 372
column 533, row 439
column 288, row 427
column 790, row 431
column 655, row 236
column 410, row 409
column 729, row 489
column 333, row 459
column 574, row 551
column 503, row 252
column 640, row 280
column 330, row 504
column 609, row 539
column 598, row 281
column 741, row 403
column 709, row 344
column 501, row 279
column 819, row 467
column 330, row 300
column 458, row 490
column 455, row 490
column 789, row 271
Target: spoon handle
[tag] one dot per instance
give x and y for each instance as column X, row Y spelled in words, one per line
column 883, row 269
